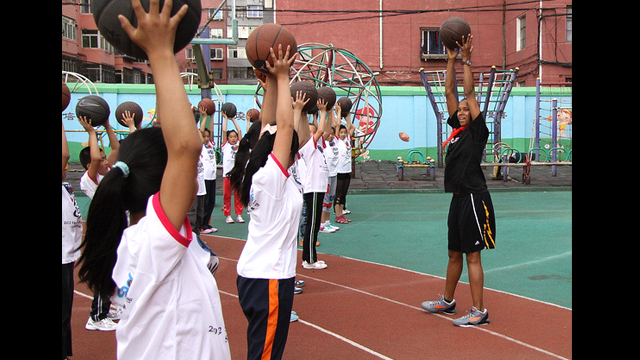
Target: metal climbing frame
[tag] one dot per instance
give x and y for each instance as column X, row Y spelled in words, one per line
column 493, row 93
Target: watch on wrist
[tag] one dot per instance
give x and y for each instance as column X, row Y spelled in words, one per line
column 467, row 62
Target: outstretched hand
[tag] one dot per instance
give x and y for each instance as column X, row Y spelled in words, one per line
column 281, row 63
column 466, row 48
column 156, row 29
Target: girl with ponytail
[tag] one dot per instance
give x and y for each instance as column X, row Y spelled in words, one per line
column 152, row 269
column 267, row 266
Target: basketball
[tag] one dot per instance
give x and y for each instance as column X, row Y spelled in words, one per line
column 404, row 136
column 327, row 94
column 345, row 106
column 253, row 115
column 105, row 13
column 208, row 105
column 309, row 90
column 229, row 109
column 452, row 30
column 263, row 38
column 66, row 95
column 133, row 108
column 95, row 108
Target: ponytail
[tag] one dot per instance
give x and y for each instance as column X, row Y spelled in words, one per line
column 144, row 154
column 258, row 158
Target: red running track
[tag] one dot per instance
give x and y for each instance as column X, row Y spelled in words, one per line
column 360, row 310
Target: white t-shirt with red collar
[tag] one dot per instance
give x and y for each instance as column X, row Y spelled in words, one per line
column 170, row 300
column 275, row 205
column 316, row 178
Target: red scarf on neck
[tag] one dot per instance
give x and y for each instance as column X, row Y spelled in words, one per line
column 453, row 133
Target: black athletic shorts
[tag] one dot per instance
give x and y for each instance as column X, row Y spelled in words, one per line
column 471, row 223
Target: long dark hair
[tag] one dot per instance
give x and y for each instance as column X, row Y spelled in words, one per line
column 145, row 153
column 257, row 159
column 247, row 143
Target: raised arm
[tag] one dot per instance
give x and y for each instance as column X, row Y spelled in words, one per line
column 469, row 90
column 301, row 126
column 155, row 34
column 284, row 110
column 450, row 83
column 114, row 144
column 94, row 149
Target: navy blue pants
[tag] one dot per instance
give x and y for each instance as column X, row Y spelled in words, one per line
column 267, row 305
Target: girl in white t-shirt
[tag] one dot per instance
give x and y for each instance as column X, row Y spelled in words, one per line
column 267, row 266
column 343, row 142
column 230, row 143
column 153, row 269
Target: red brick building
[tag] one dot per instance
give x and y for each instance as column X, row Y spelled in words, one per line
column 398, row 37
column 395, row 38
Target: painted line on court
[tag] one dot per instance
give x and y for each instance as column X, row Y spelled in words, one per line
column 328, row 332
column 502, row 336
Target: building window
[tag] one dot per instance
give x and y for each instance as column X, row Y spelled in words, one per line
column 85, row 6
column 431, row 44
column 569, row 23
column 254, row 11
column 521, row 35
column 68, row 28
column 237, row 53
column 217, row 54
column 89, row 39
column 219, row 15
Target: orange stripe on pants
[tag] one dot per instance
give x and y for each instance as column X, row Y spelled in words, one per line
column 272, row 320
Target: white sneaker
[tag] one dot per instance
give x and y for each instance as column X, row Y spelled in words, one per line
column 239, row 219
column 318, row 265
column 229, row 220
column 105, row 324
column 326, row 230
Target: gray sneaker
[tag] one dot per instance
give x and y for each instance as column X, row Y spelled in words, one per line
column 440, row 305
column 473, row 318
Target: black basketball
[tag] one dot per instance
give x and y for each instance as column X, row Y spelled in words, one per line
column 229, row 109
column 105, row 14
column 95, row 108
column 309, row 90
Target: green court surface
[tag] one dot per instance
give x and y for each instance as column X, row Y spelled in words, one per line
column 532, row 258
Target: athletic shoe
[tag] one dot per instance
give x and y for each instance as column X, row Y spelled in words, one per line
column 346, row 212
column 105, row 324
column 115, row 314
column 239, row 219
column 326, row 230
column 297, row 290
column 440, row 305
column 300, row 283
column 294, row 317
column 229, row 220
column 318, row 265
column 331, row 226
column 473, row 318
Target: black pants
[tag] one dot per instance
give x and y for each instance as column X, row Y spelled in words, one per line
column 313, row 204
column 67, row 304
column 342, row 186
column 99, row 308
column 267, row 305
column 209, row 201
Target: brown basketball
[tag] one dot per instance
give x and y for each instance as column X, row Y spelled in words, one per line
column 263, row 38
column 208, row 105
column 345, row 106
column 452, row 30
column 253, row 115
column 66, row 95
column 327, row 94
column 133, row 108
column 309, row 90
